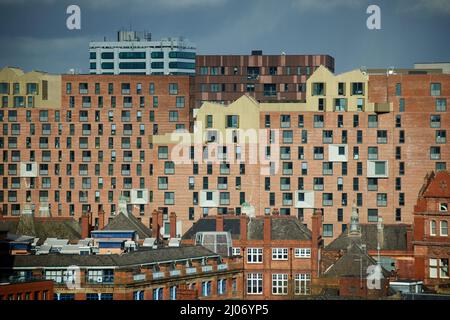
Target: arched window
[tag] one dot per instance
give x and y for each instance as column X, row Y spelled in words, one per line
column 444, row 228
column 432, row 228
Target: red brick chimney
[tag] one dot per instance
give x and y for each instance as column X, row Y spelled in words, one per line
column 154, row 225
column 419, row 228
column 85, row 225
column 409, row 238
column 219, row 223
column 267, row 229
column 316, row 237
column 101, row 219
column 173, row 225
column 244, row 221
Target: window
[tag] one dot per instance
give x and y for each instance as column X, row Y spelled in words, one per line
column 435, row 121
column 357, row 88
column 280, row 284
column 398, row 89
column 254, row 283
column 435, row 153
column 302, row 253
column 441, row 136
column 169, row 198
column 382, row 136
column 279, row 254
column 444, row 228
column 158, row 294
column 328, row 230
column 372, row 215
column 382, row 199
column 318, row 89
column 373, row 121
column 441, row 104
column 435, row 89
column 232, row 121
column 302, row 284
column 254, row 255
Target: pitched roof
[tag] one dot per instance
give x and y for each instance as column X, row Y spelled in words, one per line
column 437, row 185
column 354, row 263
column 394, row 238
column 42, row 228
column 129, row 222
column 140, row 257
column 282, row 228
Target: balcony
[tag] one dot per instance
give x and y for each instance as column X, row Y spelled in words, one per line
column 382, row 107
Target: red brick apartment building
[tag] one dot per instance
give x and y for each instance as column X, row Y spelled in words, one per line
column 75, row 144
column 27, row 290
column 431, row 238
column 189, row 272
column 225, row 78
column 280, row 255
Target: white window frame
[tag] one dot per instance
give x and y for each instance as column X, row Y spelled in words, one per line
column 279, row 284
column 441, row 268
column 279, row 253
column 236, row 251
column 433, row 268
column 254, row 283
column 443, row 230
column 302, row 253
column 433, row 228
column 254, row 255
column 302, row 284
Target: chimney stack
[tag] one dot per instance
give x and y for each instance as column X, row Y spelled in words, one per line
column 173, row 225
column 316, row 235
column 154, row 224
column 219, row 223
column 267, row 229
column 85, row 225
column 244, row 221
column 101, row 219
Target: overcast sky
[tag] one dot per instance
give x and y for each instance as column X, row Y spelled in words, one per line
column 33, row 33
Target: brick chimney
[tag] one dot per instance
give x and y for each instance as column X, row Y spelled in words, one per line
column 85, row 225
column 316, row 237
column 101, row 219
column 154, row 225
column 173, row 225
column 267, row 229
column 244, row 221
column 409, row 238
column 219, row 223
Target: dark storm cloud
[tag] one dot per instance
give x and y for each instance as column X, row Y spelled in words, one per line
column 34, row 34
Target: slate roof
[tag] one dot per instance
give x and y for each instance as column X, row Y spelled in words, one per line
column 394, row 238
column 349, row 264
column 128, row 222
column 139, row 257
column 282, row 228
column 437, row 185
column 42, row 228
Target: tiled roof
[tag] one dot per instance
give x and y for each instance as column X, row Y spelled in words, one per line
column 42, row 228
column 282, row 228
column 139, row 257
column 354, row 263
column 394, row 238
column 129, row 222
column 438, row 185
